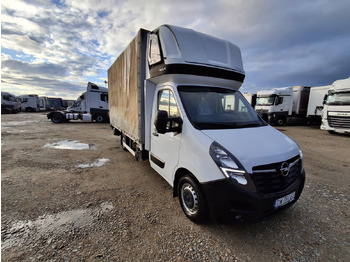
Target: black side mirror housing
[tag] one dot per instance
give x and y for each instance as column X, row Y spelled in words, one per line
column 325, row 98
column 164, row 124
column 161, row 120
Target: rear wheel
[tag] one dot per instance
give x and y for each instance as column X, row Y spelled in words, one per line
column 57, row 118
column 100, row 118
column 281, row 121
column 192, row 200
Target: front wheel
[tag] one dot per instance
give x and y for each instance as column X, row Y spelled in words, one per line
column 192, row 200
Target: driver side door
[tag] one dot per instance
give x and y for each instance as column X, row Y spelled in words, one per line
column 165, row 148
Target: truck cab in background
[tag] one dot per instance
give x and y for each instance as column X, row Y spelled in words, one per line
column 91, row 105
column 281, row 105
column 30, row 103
column 9, row 103
column 336, row 110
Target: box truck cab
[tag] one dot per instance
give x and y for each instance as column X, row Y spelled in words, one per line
column 336, row 111
column 174, row 99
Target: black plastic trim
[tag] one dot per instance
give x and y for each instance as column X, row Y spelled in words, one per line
column 195, row 69
column 228, row 203
column 157, row 161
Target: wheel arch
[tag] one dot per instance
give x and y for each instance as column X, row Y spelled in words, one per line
column 180, row 173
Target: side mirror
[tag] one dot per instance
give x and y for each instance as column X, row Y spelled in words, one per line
column 164, row 124
column 161, row 120
column 325, row 98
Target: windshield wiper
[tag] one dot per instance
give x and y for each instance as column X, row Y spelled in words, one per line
column 249, row 125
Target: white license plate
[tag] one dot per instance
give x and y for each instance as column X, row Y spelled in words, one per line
column 284, row 200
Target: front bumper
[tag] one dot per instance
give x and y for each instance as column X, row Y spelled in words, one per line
column 229, row 202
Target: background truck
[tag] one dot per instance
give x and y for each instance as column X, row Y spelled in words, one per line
column 174, row 99
column 44, row 103
column 56, row 103
column 315, row 105
column 336, row 110
column 30, row 103
column 282, row 105
column 9, row 103
column 91, row 105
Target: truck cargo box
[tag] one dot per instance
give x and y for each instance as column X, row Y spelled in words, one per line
column 125, row 84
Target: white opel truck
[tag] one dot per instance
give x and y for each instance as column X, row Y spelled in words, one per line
column 174, row 99
column 91, row 105
column 336, row 110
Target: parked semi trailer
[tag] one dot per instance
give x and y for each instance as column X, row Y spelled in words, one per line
column 336, row 110
column 315, row 105
column 91, row 105
column 174, row 99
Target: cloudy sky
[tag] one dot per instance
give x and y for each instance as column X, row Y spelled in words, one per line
column 54, row 48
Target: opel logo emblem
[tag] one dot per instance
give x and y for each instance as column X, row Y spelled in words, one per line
column 284, row 169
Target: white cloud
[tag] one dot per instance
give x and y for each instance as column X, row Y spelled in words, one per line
column 75, row 40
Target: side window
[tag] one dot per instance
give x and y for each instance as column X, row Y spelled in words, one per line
column 7, row 98
column 154, row 50
column 104, row 97
column 167, row 102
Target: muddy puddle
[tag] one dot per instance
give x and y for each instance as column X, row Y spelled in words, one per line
column 21, row 232
column 99, row 162
column 69, row 144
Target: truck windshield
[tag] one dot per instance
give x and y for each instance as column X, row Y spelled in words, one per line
column 338, row 99
column 217, row 108
column 265, row 101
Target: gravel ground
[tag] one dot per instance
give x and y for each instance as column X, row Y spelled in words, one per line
column 99, row 204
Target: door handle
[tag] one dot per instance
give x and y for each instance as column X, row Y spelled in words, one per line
column 155, row 134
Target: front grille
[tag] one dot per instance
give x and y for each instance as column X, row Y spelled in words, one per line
column 269, row 179
column 339, row 121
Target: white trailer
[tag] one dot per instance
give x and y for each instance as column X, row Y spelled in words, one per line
column 336, row 110
column 30, row 103
column 315, row 106
column 174, row 100
column 9, row 103
column 91, row 105
column 283, row 105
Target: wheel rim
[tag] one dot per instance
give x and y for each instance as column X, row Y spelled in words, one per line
column 99, row 118
column 189, row 199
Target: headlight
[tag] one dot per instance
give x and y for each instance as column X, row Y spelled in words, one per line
column 301, row 159
column 227, row 164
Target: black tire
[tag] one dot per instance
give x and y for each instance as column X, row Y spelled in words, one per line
column 281, row 121
column 192, row 200
column 57, row 118
column 99, row 118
